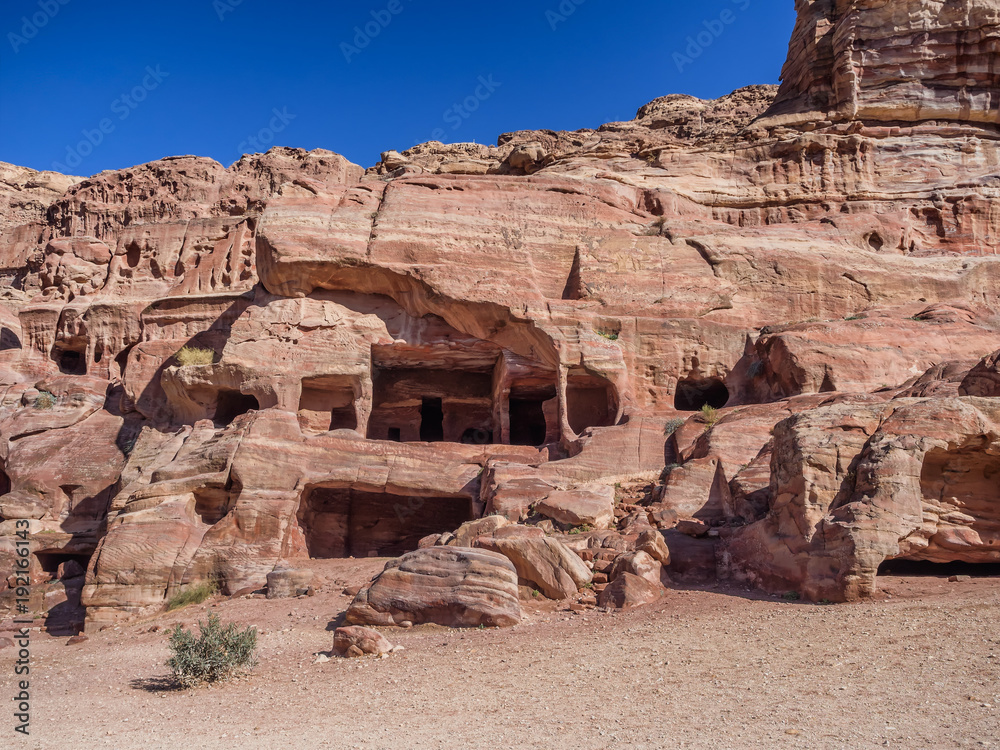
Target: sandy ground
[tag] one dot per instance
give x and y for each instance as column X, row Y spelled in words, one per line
column 708, row 668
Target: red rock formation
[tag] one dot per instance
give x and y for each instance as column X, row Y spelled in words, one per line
column 211, row 371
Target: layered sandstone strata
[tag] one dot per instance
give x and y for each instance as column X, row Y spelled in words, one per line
column 212, row 371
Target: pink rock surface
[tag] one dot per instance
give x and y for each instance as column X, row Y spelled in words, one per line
column 205, row 371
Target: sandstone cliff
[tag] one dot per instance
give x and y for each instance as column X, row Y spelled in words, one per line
column 211, row 371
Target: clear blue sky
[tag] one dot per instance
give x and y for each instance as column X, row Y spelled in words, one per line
column 204, row 76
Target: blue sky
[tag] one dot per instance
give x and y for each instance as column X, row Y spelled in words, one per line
column 106, row 85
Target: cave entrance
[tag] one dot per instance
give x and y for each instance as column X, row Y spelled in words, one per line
column 70, row 361
column 4, row 482
column 231, row 404
column 527, row 421
column 926, row 568
column 67, row 615
column 212, row 504
column 340, row 522
column 431, row 420
column 9, row 339
column 328, row 403
column 590, row 401
column 694, row 393
column 431, row 405
column 75, row 564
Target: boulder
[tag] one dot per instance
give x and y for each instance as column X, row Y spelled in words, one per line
column 355, row 640
column 450, row 586
column 591, row 505
column 651, row 542
column 541, row 561
column 639, row 564
column 468, row 532
column 285, row 583
column 628, row 591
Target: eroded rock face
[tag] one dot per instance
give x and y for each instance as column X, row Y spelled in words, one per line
column 208, row 371
column 853, row 487
column 901, row 61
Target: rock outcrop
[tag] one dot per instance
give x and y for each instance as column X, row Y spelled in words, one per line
column 208, row 371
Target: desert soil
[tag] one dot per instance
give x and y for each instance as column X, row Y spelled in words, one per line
column 707, row 668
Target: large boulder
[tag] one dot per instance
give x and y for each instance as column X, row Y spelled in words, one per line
column 540, row 561
column 591, row 505
column 640, row 564
column 452, row 586
column 284, row 582
column 628, row 591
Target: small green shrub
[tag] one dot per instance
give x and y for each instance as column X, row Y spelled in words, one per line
column 45, row 400
column 673, row 425
column 854, row 317
column 195, row 594
column 190, row 355
column 670, row 467
column 609, row 335
column 710, row 415
column 218, row 653
column 791, row 596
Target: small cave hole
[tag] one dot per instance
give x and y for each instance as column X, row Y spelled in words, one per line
column 133, row 255
column 527, row 422
column 875, row 241
column 211, row 505
column 591, row 401
column 4, row 483
column 232, row 404
column 327, row 403
column 73, row 565
column 70, row 362
column 395, row 435
column 9, row 339
column 693, row 394
column 431, row 420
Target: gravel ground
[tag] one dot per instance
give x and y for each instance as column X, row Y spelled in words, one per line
column 706, row 668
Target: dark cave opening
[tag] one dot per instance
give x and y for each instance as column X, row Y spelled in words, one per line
column 9, row 339
column 49, row 563
column 340, row 522
column 693, row 394
column 527, row 421
column 327, row 403
column 430, row 406
column 70, row 361
column 431, row 420
column 231, row 404
column 926, row 568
